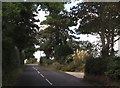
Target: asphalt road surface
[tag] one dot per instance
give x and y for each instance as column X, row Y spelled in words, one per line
column 34, row 75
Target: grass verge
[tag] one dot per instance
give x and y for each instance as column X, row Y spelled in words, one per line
column 9, row 79
column 99, row 80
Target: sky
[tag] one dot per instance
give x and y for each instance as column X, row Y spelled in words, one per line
column 91, row 38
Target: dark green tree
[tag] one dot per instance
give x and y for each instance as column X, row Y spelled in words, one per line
column 18, row 30
column 61, row 51
column 99, row 18
column 57, row 32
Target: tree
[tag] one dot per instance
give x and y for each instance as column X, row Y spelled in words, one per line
column 57, row 32
column 61, row 51
column 18, row 31
column 102, row 19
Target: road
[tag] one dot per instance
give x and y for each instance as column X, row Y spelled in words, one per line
column 34, row 75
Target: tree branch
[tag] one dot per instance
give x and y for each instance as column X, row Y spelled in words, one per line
column 116, row 40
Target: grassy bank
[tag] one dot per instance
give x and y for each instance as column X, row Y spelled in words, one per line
column 101, row 80
column 9, row 79
column 64, row 67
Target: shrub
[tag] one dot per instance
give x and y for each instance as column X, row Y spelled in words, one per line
column 113, row 71
column 45, row 61
column 76, row 61
column 96, row 66
column 61, row 51
column 56, row 66
column 15, row 58
column 80, row 54
column 69, row 59
column 31, row 61
column 75, row 65
column 69, row 67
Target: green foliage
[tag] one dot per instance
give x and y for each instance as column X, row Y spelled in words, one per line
column 99, row 18
column 96, row 66
column 18, row 33
column 61, row 51
column 56, row 65
column 15, row 55
column 113, row 71
column 44, row 61
column 9, row 79
column 74, row 44
column 31, row 61
column 29, row 52
column 5, row 53
column 57, row 33
column 74, row 66
column 74, row 63
column 68, row 59
column 11, row 57
column 54, row 7
column 109, row 67
column 18, row 30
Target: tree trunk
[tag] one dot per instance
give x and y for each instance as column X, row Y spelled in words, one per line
column 112, row 43
column 105, row 47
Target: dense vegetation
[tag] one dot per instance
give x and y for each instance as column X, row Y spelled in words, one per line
column 18, row 38
column 100, row 19
column 58, row 40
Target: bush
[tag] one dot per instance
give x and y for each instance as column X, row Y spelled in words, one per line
column 96, row 66
column 15, row 58
column 75, row 65
column 45, row 61
column 69, row 59
column 31, row 61
column 69, row 67
column 113, row 71
column 61, row 51
column 56, row 66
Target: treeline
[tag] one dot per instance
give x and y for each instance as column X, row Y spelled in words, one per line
column 58, row 40
column 18, row 36
column 101, row 19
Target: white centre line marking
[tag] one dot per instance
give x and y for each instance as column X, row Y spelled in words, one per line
column 38, row 72
column 34, row 68
column 48, row 81
column 42, row 75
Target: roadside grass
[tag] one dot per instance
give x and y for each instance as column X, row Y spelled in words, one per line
column 36, row 63
column 54, row 66
column 10, row 78
column 59, row 68
column 99, row 80
column 95, row 80
column 71, row 67
column 91, row 79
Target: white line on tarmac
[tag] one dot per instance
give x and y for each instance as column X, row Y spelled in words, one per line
column 38, row 72
column 48, row 81
column 42, row 75
column 34, row 68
